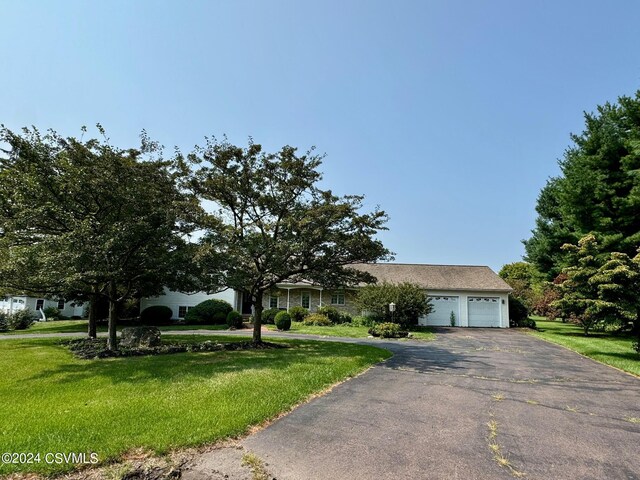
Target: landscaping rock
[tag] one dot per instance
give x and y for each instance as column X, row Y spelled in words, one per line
column 140, row 337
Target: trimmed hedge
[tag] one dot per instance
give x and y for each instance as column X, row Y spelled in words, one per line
column 283, row 321
column 234, row 319
column 209, row 312
column 156, row 315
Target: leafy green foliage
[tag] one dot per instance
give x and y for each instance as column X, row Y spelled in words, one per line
column 318, row 320
column 156, row 315
column 209, row 312
column 336, row 316
column 518, row 313
column 452, row 319
column 234, row 319
column 410, row 299
column 579, row 298
column 363, row 321
column 20, row 319
column 598, row 191
column 283, row 321
column 600, row 291
column 269, row 315
column 388, row 330
column 4, row 322
column 526, row 281
column 52, row 313
column 298, row 313
column 84, row 219
column 277, row 224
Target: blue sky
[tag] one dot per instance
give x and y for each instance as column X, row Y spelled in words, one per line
column 450, row 115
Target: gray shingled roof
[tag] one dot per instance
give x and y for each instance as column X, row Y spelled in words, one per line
column 438, row 277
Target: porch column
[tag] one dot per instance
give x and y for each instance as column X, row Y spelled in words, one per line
column 288, row 296
column 321, row 297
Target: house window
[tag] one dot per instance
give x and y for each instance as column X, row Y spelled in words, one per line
column 61, row 304
column 273, row 301
column 39, row 304
column 182, row 311
column 337, row 298
column 305, row 300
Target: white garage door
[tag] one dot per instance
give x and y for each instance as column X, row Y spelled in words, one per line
column 442, row 308
column 484, row 312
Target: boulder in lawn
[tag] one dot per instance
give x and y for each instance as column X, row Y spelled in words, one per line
column 140, row 337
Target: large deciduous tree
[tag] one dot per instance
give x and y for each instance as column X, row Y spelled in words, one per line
column 597, row 192
column 525, row 281
column 84, row 218
column 275, row 223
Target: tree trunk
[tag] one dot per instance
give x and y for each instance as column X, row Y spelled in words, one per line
column 112, row 342
column 257, row 318
column 93, row 311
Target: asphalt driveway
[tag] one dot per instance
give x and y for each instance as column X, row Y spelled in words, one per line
column 474, row 404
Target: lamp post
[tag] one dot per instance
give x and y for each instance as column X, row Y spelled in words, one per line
column 392, row 309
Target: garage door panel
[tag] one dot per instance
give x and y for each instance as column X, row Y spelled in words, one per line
column 484, row 311
column 441, row 314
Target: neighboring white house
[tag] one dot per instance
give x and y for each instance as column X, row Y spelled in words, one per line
column 179, row 303
column 476, row 295
column 35, row 304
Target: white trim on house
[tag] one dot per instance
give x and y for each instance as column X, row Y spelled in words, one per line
column 175, row 300
column 21, row 302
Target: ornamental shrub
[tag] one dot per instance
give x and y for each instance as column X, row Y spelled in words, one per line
column 410, row 299
column 331, row 313
column 283, row 321
column 298, row 313
column 388, row 330
column 518, row 313
column 4, row 322
column 52, row 313
column 269, row 315
column 20, row 319
column 234, row 319
column 363, row 321
column 209, row 312
column 317, row 320
column 156, row 315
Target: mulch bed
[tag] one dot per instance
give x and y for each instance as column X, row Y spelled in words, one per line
column 90, row 348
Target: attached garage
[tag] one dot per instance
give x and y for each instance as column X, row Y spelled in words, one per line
column 443, row 305
column 474, row 293
column 484, row 311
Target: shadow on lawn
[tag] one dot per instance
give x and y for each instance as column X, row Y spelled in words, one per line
column 170, row 368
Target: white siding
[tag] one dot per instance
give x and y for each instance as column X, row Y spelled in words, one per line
column 17, row 303
column 175, row 300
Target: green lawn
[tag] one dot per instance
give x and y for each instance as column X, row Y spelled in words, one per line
column 78, row 326
column 52, row 402
column 603, row 347
column 346, row 330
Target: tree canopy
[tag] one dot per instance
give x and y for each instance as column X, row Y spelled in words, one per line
column 597, row 192
column 82, row 218
column 274, row 223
